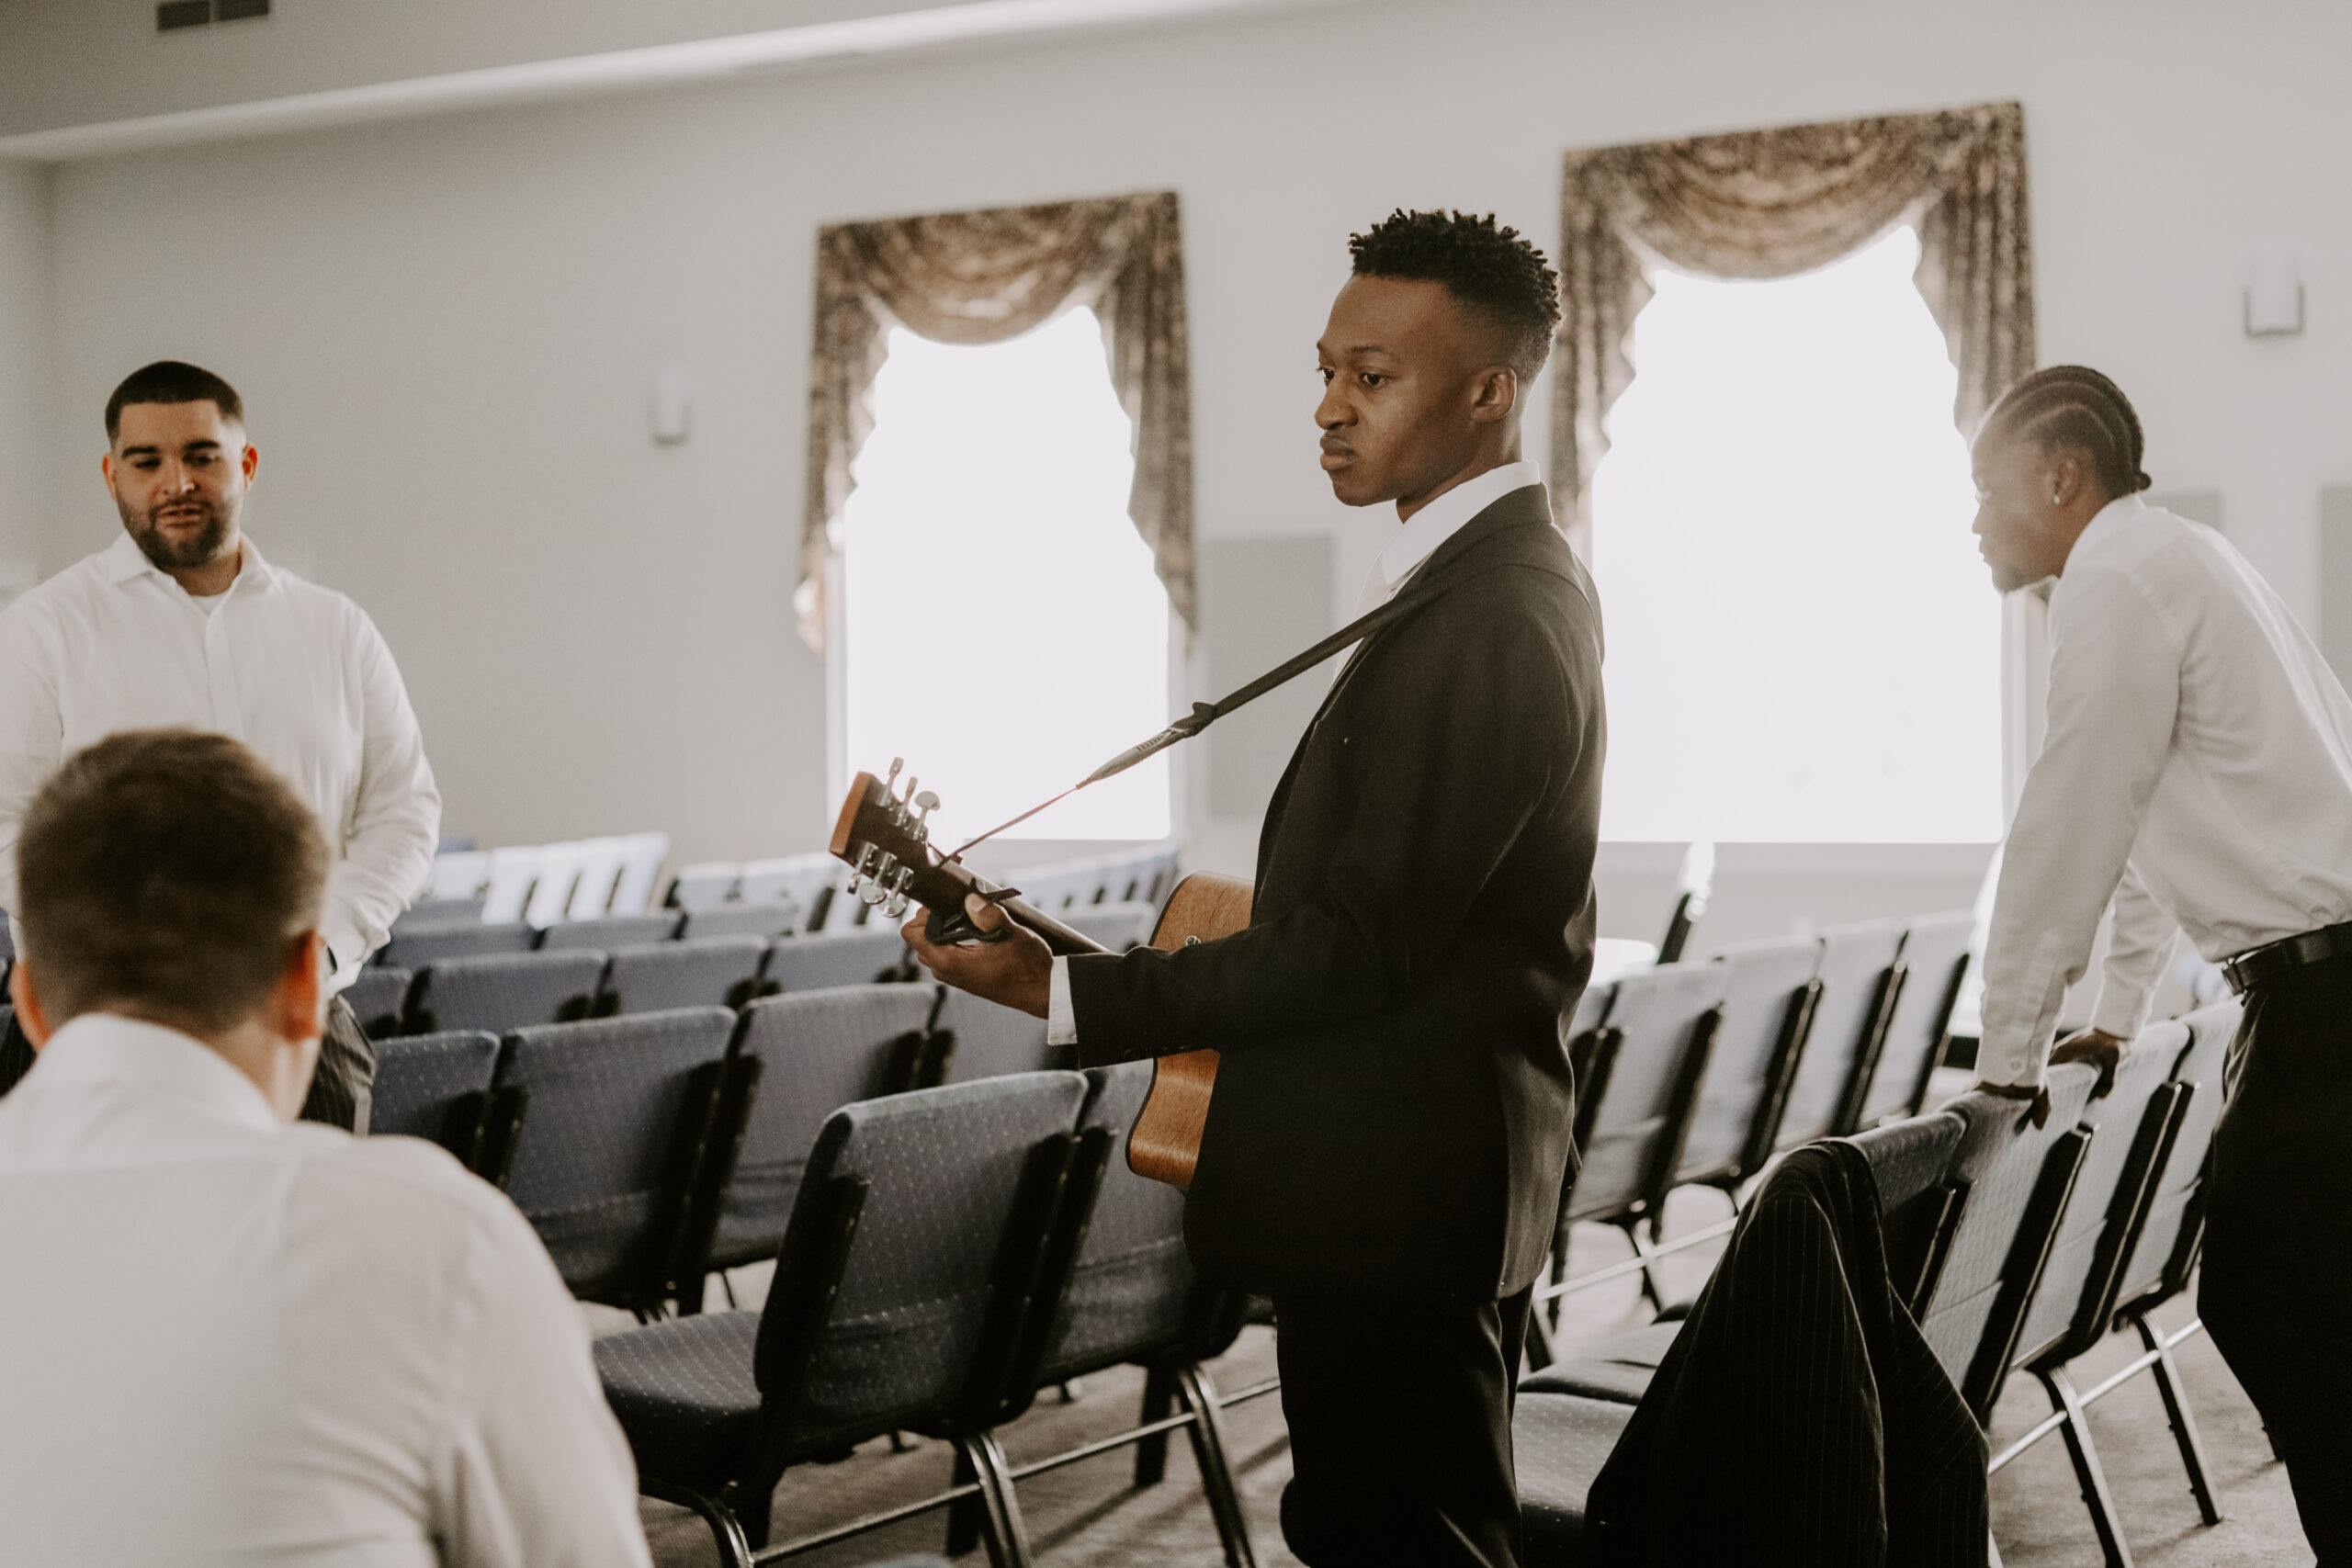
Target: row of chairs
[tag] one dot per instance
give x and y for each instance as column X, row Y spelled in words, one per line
column 582, row 879
column 949, row 1239
column 416, row 944
column 1700, row 1072
column 558, row 983
column 2016, row 1248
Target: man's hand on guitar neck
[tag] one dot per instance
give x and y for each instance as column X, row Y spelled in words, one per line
column 1017, row 972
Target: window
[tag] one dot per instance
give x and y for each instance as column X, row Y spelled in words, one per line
column 1803, row 645
column 1004, row 631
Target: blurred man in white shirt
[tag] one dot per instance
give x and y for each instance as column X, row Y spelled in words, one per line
column 2198, row 771
column 181, row 622
column 229, row 1339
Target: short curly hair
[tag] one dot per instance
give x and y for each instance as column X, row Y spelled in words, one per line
column 1485, row 266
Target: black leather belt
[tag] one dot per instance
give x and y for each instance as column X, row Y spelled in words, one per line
column 2256, row 965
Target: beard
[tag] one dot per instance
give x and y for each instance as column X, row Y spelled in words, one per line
column 186, row 550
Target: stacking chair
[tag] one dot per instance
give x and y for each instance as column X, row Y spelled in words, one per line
column 793, row 1061
column 908, row 1270
column 704, row 886
column 1117, row 926
column 1768, row 995
column 1568, row 1418
column 2163, row 1255
column 611, row 931
column 1127, row 1294
column 767, row 920
column 620, row 1113
column 376, row 997
column 514, row 872
column 436, row 1087
column 1636, row 1086
column 458, row 874
column 2016, row 1178
column 990, row 1039
column 1849, row 1019
column 641, row 858
column 1910, row 1165
column 600, row 874
column 2132, row 1129
column 790, row 879
column 558, row 876
column 704, row 972
column 432, row 911
column 848, row 958
column 503, row 991
column 413, row 949
column 1923, row 991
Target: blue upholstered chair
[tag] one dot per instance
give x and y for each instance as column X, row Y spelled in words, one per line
column 915, row 1249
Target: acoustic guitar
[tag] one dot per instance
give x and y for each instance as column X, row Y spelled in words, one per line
column 883, row 835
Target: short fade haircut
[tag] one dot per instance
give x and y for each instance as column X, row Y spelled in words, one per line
column 172, row 381
column 2074, row 406
column 165, row 873
column 1484, row 266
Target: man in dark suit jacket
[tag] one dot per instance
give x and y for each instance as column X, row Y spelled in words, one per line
column 1391, row 1124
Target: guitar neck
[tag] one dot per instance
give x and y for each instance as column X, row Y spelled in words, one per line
column 1059, row 937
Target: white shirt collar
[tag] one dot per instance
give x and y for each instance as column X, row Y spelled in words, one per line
column 105, row 1048
column 2104, row 524
column 1439, row 521
column 124, row 560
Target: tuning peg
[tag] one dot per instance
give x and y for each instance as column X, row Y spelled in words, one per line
column 896, row 907
column 896, row 763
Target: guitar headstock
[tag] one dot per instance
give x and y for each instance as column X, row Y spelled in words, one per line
column 884, row 836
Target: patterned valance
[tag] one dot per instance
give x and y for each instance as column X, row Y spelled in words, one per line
column 976, row 277
column 1767, row 203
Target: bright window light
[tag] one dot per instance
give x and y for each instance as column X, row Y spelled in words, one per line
column 1005, row 630
column 1803, row 646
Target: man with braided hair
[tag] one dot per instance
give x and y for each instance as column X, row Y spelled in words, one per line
column 1393, row 1108
column 2197, row 770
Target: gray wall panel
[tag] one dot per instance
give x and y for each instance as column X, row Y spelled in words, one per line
column 2335, row 578
column 1261, row 600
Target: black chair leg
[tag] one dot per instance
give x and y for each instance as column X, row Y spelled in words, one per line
column 2088, row 1473
column 726, row 1530
column 966, row 1515
column 1648, row 1255
column 1151, row 1453
column 2176, row 1412
column 1207, row 1432
column 1008, row 1538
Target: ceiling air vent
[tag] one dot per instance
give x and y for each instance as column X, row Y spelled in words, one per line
column 174, row 14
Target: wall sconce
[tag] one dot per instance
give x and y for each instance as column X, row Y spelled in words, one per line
column 673, row 407
column 2274, row 292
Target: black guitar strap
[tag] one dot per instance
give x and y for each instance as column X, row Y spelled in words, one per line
column 1418, row 595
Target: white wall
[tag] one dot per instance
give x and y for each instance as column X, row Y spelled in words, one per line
column 446, row 331
column 26, row 312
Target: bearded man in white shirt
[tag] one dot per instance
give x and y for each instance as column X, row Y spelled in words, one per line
column 252, row 1341
column 2197, row 770
column 182, row 622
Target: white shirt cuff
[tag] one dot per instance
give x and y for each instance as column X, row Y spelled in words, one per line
column 1061, row 1018
column 2120, row 1010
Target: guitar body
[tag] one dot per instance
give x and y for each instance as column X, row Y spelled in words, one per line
column 1165, row 1144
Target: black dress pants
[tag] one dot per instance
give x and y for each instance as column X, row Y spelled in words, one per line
column 341, row 1090
column 2276, row 1290
column 1399, row 1413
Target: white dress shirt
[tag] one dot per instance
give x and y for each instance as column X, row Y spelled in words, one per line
column 2198, row 768
column 1417, row 540
column 224, row 1340
column 297, row 671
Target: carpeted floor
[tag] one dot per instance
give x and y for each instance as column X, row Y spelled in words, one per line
column 1090, row 1514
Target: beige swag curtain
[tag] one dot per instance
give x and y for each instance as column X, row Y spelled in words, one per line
column 975, row 277
column 1767, row 203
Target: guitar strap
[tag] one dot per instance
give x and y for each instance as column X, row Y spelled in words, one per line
column 1477, row 562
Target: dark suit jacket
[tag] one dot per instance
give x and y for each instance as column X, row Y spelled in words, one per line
column 1798, row 1416
column 1394, row 1102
